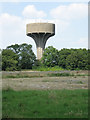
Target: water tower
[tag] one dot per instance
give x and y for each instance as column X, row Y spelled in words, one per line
column 40, row 32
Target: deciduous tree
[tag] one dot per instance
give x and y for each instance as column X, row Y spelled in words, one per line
column 9, row 60
column 50, row 57
column 26, row 55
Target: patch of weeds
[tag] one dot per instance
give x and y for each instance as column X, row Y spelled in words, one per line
column 22, row 76
column 10, row 76
column 8, row 89
column 65, row 74
column 59, row 74
column 80, row 82
column 46, row 81
column 66, row 104
column 83, row 75
column 49, row 81
column 43, row 68
column 70, row 82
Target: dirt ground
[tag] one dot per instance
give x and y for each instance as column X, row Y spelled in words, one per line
column 44, row 82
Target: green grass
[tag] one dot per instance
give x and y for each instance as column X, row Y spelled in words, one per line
column 21, row 76
column 65, row 74
column 30, row 75
column 43, row 68
column 60, row 74
column 45, row 104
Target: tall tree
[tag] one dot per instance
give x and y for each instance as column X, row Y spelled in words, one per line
column 78, row 59
column 63, row 53
column 26, row 56
column 9, row 60
column 50, row 56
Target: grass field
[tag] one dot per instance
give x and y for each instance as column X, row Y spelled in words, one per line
column 33, row 74
column 45, row 103
column 43, row 68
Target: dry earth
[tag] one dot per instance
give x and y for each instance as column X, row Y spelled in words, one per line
column 43, row 82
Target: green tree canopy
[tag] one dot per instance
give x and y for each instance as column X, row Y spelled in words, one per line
column 26, row 57
column 9, row 60
column 63, row 53
column 21, row 56
column 50, row 56
column 78, row 59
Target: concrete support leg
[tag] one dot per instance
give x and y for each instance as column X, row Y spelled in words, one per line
column 39, row 53
column 40, row 40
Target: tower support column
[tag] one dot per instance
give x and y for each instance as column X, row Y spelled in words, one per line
column 39, row 53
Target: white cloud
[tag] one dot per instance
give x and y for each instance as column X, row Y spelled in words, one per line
column 10, row 21
column 31, row 12
column 12, row 29
column 71, row 11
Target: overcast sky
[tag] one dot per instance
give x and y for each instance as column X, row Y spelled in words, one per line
column 71, row 21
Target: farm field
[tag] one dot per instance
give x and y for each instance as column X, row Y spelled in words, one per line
column 57, row 94
column 27, row 80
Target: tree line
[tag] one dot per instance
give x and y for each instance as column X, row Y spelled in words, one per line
column 18, row 57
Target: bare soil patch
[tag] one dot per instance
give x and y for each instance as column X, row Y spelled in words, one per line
column 41, row 81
